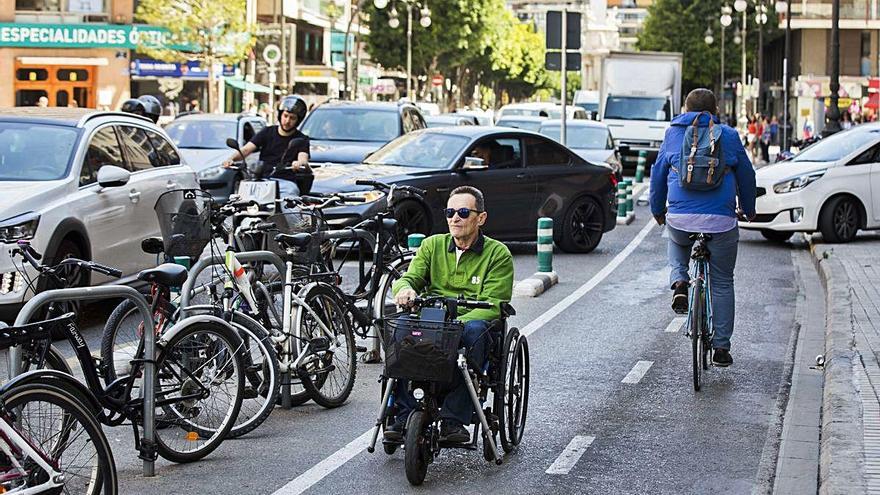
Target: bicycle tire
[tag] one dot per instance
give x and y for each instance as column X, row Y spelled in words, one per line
column 103, row 478
column 261, row 373
column 230, row 364
column 298, row 394
column 414, row 448
column 696, row 331
column 117, row 327
column 323, row 300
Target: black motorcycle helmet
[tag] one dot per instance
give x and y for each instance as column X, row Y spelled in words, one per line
column 295, row 105
column 134, row 106
column 152, row 107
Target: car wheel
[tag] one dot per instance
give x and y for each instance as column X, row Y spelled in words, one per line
column 582, row 227
column 776, row 236
column 74, row 277
column 840, row 219
column 411, row 219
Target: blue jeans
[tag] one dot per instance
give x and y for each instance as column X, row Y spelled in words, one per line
column 286, row 188
column 457, row 405
column 723, row 248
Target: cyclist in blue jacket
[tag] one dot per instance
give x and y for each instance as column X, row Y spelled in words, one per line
column 710, row 212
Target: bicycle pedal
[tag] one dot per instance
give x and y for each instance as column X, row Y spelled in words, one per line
column 250, row 393
column 361, row 348
column 320, row 344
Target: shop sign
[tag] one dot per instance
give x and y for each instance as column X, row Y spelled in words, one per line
column 314, row 73
column 155, row 68
column 384, row 87
column 82, row 36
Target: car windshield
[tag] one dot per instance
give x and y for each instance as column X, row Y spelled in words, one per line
column 202, row 134
column 420, row 149
column 35, row 152
column 588, row 138
column 838, row 146
column 637, row 108
column 528, row 125
column 352, row 124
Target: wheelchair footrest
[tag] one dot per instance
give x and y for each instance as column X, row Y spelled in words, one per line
column 456, row 445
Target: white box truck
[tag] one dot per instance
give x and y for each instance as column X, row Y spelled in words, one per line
column 640, row 94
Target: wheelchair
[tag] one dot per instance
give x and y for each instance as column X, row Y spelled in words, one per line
column 424, row 349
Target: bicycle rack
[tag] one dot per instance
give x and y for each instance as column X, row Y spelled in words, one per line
column 204, row 262
column 148, row 441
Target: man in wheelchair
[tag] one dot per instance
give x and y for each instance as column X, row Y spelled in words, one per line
column 462, row 263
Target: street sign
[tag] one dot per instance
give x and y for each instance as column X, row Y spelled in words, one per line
column 572, row 28
column 272, row 54
column 437, row 80
column 553, row 61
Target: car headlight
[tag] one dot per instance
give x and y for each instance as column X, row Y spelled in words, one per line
column 20, row 227
column 211, row 172
column 368, row 196
column 797, row 183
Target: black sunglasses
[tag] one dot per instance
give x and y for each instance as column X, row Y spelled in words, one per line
column 462, row 212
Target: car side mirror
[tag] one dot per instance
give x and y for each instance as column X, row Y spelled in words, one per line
column 113, row 176
column 474, row 163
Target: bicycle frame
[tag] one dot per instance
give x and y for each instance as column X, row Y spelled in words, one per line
column 10, row 437
column 700, row 271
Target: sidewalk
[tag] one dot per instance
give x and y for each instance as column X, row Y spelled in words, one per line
column 850, row 449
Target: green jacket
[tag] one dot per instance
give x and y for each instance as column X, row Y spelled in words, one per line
column 484, row 273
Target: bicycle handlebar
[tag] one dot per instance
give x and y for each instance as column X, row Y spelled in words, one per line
column 465, row 303
column 387, row 187
column 26, row 251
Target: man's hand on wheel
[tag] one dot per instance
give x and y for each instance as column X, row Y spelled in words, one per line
column 405, row 296
column 661, row 218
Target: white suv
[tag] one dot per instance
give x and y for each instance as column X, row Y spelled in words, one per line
column 81, row 183
column 832, row 187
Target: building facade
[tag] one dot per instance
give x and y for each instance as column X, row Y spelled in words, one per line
column 630, row 16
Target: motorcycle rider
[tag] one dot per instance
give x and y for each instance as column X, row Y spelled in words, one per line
column 146, row 106
column 283, row 146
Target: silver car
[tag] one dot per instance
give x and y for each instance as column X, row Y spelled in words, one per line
column 80, row 183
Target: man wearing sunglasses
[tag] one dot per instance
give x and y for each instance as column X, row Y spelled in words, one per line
column 465, row 263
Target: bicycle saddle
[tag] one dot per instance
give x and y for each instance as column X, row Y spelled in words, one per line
column 166, row 274
column 389, row 224
column 294, row 240
column 696, row 237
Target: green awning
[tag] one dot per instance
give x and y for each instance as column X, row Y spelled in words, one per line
column 247, row 86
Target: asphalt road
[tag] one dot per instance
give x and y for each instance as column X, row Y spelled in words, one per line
column 607, row 320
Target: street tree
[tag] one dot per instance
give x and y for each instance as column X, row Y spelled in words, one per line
column 205, row 31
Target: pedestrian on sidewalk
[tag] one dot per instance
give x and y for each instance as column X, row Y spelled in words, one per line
column 766, row 137
column 703, row 211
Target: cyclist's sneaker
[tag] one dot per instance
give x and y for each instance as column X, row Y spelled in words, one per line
column 453, row 432
column 721, row 357
column 680, row 297
column 394, row 433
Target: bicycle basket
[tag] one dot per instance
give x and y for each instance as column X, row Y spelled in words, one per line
column 297, row 222
column 185, row 221
column 421, row 350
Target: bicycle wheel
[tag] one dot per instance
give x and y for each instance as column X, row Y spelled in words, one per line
column 328, row 373
column 200, row 386
column 57, row 425
column 120, row 340
column 260, row 367
column 298, row 394
column 416, row 448
column 697, row 329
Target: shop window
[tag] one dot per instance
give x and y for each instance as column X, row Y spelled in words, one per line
column 29, row 97
column 38, row 5
column 81, row 98
column 138, row 149
column 73, row 6
column 31, row 75
column 62, row 98
column 103, row 150
column 73, row 75
column 309, row 46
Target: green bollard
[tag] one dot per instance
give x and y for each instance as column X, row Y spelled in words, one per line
column 640, row 168
column 621, row 199
column 629, row 195
column 414, row 241
column 545, row 244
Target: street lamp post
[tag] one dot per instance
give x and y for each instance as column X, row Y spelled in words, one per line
column 726, row 20
column 394, row 22
column 833, row 124
column 760, row 20
column 781, row 6
column 742, row 6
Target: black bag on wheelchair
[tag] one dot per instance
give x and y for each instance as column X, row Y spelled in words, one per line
column 421, row 350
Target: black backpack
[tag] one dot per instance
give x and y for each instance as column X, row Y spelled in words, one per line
column 701, row 164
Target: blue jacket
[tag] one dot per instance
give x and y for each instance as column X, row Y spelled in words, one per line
column 721, row 201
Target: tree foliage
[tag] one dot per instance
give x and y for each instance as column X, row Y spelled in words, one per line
column 204, row 31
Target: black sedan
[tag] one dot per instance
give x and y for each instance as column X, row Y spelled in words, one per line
column 522, row 174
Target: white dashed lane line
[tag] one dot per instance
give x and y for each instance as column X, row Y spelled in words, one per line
column 638, row 372
column 676, row 324
column 571, row 455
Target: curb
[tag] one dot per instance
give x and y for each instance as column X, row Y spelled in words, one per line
column 536, row 285
column 841, row 454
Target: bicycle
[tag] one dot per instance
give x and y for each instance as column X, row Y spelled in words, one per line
column 198, row 363
column 700, row 327
column 424, row 350
column 50, row 438
column 125, row 325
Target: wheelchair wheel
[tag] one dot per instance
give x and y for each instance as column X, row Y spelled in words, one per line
column 416, row 448
column 512, row 402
